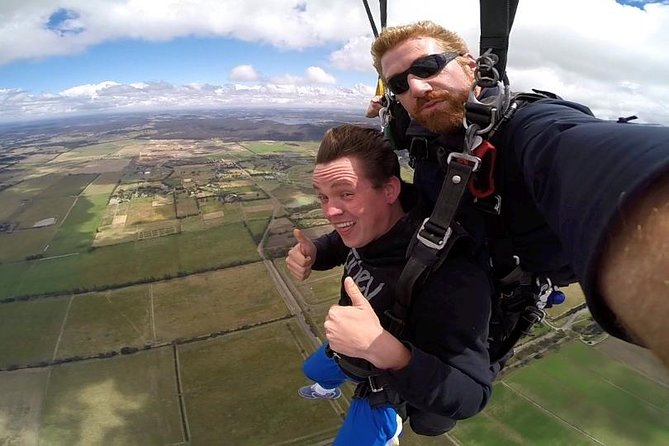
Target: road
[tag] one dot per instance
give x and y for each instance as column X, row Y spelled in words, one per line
column 284, row 290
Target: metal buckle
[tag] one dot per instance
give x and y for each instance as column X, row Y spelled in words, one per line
column 372, row 385
column 469, row 159
column 429, row 243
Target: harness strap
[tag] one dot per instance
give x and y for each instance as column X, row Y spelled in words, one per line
column 496, row 22
column 434, row 238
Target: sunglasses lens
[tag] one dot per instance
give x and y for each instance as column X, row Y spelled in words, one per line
column 424, row 67
column 398, row 84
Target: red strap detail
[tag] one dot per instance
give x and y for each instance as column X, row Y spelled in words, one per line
column 482, row 183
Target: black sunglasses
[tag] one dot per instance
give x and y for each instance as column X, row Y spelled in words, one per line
column 423, row 67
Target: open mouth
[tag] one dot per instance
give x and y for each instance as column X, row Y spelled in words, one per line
column 343, row 227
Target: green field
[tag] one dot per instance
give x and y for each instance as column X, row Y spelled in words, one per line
column 130, row 262
column 106, row 321
column 77, row 232
column 575, row 396
column 266, row 147
column 119, row 401
column 242, row 390
column 19, row 244
column 29, row 330
column 216, row 301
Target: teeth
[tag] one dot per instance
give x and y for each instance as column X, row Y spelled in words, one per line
column 344, row 225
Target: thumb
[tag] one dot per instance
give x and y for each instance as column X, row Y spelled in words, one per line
column 307, row 247
column 357, row 298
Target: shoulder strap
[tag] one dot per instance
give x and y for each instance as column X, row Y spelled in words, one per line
column 496, row 21
column 434, row 238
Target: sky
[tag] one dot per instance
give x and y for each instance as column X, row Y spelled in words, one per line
column 69, row 57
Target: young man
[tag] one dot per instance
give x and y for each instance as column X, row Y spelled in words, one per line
column 579, row 195
column 438, row 370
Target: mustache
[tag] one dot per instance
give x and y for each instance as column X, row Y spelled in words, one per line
column 431, row 96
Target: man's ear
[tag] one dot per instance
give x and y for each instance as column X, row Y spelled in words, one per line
column 392, row 189
column 471, row 60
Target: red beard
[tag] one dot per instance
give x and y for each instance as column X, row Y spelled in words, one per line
column 447, row 117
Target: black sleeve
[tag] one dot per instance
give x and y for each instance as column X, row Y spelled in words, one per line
column 330, row 251
column 449, row 372
column 581, row 172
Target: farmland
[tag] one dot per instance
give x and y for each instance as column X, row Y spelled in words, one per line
column 146, row 310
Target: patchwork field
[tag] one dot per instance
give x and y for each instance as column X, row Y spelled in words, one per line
column 193, row 354
column 29, row 330
column 109, row 402
column 576, row 396
column 242, row 389
column 129, row 263
column 143, row 315
column 21, row 406
column 230, row 298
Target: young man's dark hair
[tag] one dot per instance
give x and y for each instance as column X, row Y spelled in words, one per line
column 367, row 145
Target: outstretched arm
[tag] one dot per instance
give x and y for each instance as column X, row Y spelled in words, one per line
column 635, row 270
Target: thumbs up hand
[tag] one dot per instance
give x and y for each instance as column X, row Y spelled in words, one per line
column 352, row 330
column 301, row 257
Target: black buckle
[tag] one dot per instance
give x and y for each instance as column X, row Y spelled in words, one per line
column 433, row 236
column 491, row 205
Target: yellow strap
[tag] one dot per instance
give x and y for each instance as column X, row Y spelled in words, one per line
column 380, row 88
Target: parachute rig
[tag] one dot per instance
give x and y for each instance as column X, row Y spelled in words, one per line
column 521, row 296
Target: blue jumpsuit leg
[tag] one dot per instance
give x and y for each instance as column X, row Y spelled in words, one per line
column 324, row 370
column 367, row 426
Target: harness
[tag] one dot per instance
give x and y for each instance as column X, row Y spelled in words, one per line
column 520, row 296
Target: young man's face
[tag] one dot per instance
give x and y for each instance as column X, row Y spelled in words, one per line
column 437, row 102
column 359, row 212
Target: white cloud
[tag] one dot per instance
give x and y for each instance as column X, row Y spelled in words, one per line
column 354, row 55
column 608, row 56
column 317, row 75
column 313, row 75
column 243, row 73
column 106, row 96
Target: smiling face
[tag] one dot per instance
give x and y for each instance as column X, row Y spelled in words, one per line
column 359, row 212
column 436, row 102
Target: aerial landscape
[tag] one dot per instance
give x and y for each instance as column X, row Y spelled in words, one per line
column 144, row 297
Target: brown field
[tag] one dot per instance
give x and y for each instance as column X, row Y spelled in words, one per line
column 10, row 203
column 112, row 166
column 281, row 225
column 21, row 406
column 104, row 184
column 147, row 210
column 186, row 206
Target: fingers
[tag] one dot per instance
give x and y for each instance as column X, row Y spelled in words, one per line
column 298, row 265
column 354, row 293
column 301, row 256
column 306, row 245
column 374, row 107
